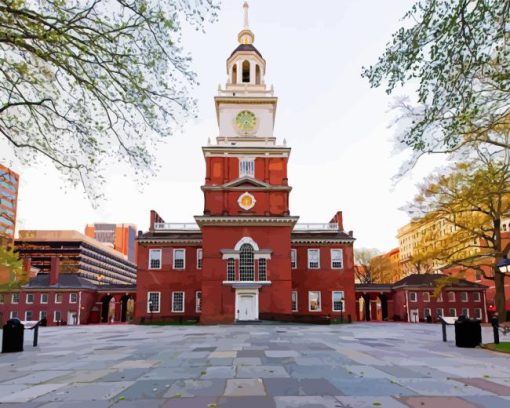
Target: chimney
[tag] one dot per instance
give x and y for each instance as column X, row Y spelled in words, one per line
column 54, row 270
column 338, row 218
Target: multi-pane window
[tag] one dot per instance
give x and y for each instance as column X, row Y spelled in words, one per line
column 56, row 316
column 247, row 168
column 246, row 263
column 73, row 298
column 293, row 258
column 154, row 258
column 313, row 259
column 1, row 298
column 231, row 269
column 30, row 299
column 439, row 297
column 439, row 312
column 427, row 313
column 476, row 297
column 478, row 313
column 15, row 298
column 451, row 296
column 59, row 297
column 426, row 296
column 28, row 315
column 413, row 297
column 198, row 301
column 294, row 301
column 337, row 259
column 314, row 301
column 463, row 296
column 262, row 269
column 200, row 256
column 44, row 298
column 178, row 302
column 13, row 314
column 153, row 299
column 179, row 258
column 338, row 301
column 452, row 312
column 465, row 312
column 43, row 314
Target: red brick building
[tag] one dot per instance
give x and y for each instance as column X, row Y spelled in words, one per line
column 246, row 258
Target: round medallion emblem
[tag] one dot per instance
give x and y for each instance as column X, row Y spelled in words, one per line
column 246, row 121
column 246, row 201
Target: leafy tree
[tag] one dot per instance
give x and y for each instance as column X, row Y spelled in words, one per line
column 457, row 56
column 85, row 83
column 468, row 202
column 12, row 274
column 383, row 270
column 363, row 258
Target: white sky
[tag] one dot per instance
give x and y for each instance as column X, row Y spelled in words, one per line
column 342, row 150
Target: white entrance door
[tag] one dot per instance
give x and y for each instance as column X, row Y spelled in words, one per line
column 414, row 315
column 247, row 306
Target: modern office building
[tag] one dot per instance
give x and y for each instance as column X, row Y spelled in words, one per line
column 9, row 184
column 120, row 237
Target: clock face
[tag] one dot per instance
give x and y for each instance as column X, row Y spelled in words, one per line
column 246, row 201
column 246, row 121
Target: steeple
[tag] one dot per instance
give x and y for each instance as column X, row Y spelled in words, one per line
column 246, row 36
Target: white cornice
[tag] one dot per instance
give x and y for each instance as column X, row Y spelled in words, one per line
column 306, row 241
column 245, row 220
column 163, row 240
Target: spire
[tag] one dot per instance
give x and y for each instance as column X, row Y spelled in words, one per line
column 246, row 36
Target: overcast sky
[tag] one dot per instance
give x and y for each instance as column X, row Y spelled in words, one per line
column 342, row 150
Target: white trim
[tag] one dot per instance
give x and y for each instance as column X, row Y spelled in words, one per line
column 423, row 296
column 26, row 299
column 442, row 311
column 477, row 297
column 41, row 316
column 196, row 301
column 70, row 297
column 200, row 258
column 452, row 308
column 333, row 300
column 56, row 297
column 318, row 258
column 448, row 296
column 467, row 297
column 41, row 299
column 320, row 300
column 159, row 302
column 425, row 312
column 55, row 316
column 297, row 301
column 293, row 251
column 246, row 240
column 341, row 257
column 183, row 301
column 12, row 298
column 481, row 313
column 254, row 292
column 31, row 317
column 13, row 314
column 173, row 259
column 415, row 297
column 160, row 258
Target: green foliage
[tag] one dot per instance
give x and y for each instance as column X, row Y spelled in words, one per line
column 457, row 56
column 86, row 83
column 12, row 275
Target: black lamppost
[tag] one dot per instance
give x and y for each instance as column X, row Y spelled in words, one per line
column 504, row 268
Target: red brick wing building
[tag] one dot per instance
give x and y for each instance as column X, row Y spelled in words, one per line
column 246, row 258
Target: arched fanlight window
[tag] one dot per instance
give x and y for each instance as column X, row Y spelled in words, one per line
column 246, row 71
column 246, row 263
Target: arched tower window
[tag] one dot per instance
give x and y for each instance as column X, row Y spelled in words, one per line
column 234, row 74
column 257, row 74
column 246, row 71
column 246, row 263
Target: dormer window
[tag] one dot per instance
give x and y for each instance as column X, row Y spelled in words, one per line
column 246, row 71
column 247, row 168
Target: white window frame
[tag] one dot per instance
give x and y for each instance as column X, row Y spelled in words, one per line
column 293, row 254
column 55, row 316
column 13, row 314
column 42, row 298
column 425, row 312
column 477, row 297
column 247, row 167
column 71, row 298
column 440, row 297
column 442, row 311
column 294, row 293
column 453, row 293
column 183, row 259
column 149, row 301
column 15, row 302
column 198, row 301
column 262, row 265
column 333, row 300
column 41, row 314
column 462, row 295
column 32, row 302
column 311, row 250
column 478, row 311
column 160, row 258
column 426, row 299
column 183, row 301
column 319, row 298
column 61, row 299
column 412, row 298
column 454, row 309
column 341, row 251
column 26, row 317
column 200, row 258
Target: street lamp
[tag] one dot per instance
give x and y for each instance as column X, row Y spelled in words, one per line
column 504, row 265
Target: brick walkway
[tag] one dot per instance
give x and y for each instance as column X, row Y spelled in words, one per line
column 359, row 365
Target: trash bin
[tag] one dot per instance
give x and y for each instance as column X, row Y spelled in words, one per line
column 12, row 338
column 468, row 333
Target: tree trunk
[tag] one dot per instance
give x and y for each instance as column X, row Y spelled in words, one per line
column 499, row 297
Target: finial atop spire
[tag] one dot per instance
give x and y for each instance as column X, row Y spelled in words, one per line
column 246, row 6
column 246, row 36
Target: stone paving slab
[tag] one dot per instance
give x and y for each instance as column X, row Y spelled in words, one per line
column 344, row 366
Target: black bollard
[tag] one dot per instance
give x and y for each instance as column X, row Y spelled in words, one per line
column 36, row 334
column 444, row 329
column 495, row 328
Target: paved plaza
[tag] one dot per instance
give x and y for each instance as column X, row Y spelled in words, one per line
column 360, row 365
